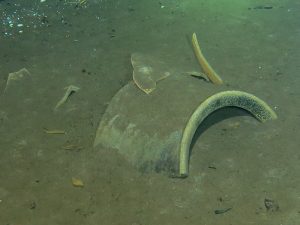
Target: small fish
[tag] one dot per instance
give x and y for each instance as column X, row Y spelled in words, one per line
column 221, row 211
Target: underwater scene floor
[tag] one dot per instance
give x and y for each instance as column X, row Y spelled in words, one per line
column 63, row 61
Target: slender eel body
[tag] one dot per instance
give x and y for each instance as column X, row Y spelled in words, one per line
column 208, row 70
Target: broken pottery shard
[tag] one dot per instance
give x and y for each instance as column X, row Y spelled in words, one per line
column 147, row 72
column 22, row 74
column 69, row 90
column 142, row 78
column 154, row 132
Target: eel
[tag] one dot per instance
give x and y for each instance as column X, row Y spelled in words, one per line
column 208, row 70
column 257, row 107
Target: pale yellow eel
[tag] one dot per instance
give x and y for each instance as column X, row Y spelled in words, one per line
column 208, row 70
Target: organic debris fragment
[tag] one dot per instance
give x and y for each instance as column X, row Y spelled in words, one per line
column 47, row 131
